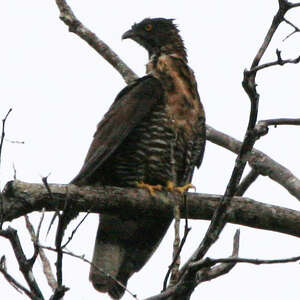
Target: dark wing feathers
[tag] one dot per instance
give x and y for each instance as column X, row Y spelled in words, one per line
column 130, row 106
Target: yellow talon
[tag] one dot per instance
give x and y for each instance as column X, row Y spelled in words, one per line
column 181, row 189
column 184, row 188
column 170, row 186
column 149, row 187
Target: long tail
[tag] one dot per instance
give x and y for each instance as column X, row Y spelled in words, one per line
column 122, row 247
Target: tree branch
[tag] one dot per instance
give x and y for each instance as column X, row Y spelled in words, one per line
column 21, row 198
column 296, row 29
column 68, row 17
column 3, row 131
column 246, row 182
column 278, row 62
column 208, row 262
column 82, row 257
column 223, row 268
column 75, row 26
column 45, row 262
column 18, row 286
column 24, row 264
column 259, row 161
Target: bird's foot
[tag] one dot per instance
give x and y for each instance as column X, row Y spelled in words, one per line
column 181, row 189
column 149, row 187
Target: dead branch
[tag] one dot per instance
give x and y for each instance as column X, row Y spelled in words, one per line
column 278, row 62
column 82, row 257
column 25, row 265
column 280, row 121
column 13, row 282
column 259, row 161
column 75, row 26
column 246, row 182
column 3, row 131
column 296, row 29
column 45, row 262
column 217, row 137
column 74, row 231
column 21, row 198
column 223, row 268
column 183, row 290
column 182, row 242
column 208, row 262
column 219, row 219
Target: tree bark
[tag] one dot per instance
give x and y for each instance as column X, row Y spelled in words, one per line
column 20, row 198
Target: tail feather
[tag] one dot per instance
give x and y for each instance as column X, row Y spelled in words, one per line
column 122, row 247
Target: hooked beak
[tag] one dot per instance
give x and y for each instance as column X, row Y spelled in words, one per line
column 128, row 34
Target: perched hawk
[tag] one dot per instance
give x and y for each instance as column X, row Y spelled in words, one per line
column 153, row 136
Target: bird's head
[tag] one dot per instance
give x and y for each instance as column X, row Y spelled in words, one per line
column 157, row 36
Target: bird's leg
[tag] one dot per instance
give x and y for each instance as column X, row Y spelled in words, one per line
column 181, row 189
column 149, row 187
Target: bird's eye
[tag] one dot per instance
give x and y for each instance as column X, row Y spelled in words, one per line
column 148, row 27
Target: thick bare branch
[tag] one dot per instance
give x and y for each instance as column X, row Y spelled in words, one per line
column 21, row 198
column 258, row 160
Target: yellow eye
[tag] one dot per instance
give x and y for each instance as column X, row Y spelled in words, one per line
column 148, row 27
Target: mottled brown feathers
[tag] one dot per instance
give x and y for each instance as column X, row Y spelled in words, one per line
column 154, row 132
column 130, row 106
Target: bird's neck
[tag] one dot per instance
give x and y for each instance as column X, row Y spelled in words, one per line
column 174, row 49
column 160, row 62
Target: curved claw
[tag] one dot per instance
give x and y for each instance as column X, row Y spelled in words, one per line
column 181, row 189
column 149, row 187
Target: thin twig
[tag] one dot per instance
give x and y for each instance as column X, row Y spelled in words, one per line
column 56, row 214
column 45, row 261
column 296, row 29
column 246, row 182
column 284, row 6
column 278, row 62
column 280, row 121
column 208, row 262
column 176, row 244
column 14, row 142
column 82, row 257
column 58, row 237
column 74, row 231
column 13, row 282
column 170, row 268
column 34, row 240
column 223, row 268
column 24, row 264
column 262, row 127
column 3, row 132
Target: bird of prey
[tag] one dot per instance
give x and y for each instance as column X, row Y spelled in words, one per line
column 152, row 137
